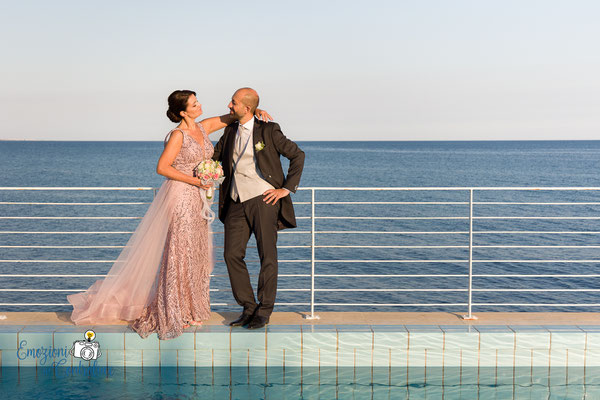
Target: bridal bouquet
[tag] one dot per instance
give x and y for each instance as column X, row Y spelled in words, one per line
column 210, row 172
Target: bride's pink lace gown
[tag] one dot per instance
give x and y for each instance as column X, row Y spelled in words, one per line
column 161, row 279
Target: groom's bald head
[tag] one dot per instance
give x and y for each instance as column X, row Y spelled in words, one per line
column 249, row 97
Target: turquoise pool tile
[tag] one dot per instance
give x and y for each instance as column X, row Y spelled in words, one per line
column 258, row 358
column 292, row 359
column 275, row 358
column 589, row 328
column 469, row 377
column 8, row 336
column 497, row 340
column 221, row 357
column 36, row 336
column 318, row 328
column 398, row 357
column 448, row 358
column 470, row 358
column 488, row 357
column 353, row 328
column 239, row 375
column 557, row 376
column 133, row 358
column 523, row 376
column 461, row 340
column 435, row 358
column 186, row 358
column 434, row 376
column 315, row 357
column 355, row 339
column 504, row 378
column 283, row 328
column 452, row 376
column 204, row 358
column 258, row 374
column 592, row 358
column 388, row 328
column 184, row 341
column 575, row 376
column 419, row 340
column 593, row 340
column 399, row 376
column 381, row 357
column 417, row 358
column 133, row 341
column 113, row 358
column 487, row 376
column 284, row 340
column 150, row 358
column 540, row 358
column 532, row 340
column 493, row 328
column 383, row 393
column 283, row 357
column 319, row 339
column 248, row 339
column 423, row 328
column 563, row 328
column 109, row 336
column 239, row 357
column 11, row 328
column 575, row 358
column 567, row 340
column 168, row 358
column 353, row 357
column 558, row 358
column 390, row 339
column 8, row 340
column 506, row 359
column 275, row 376
column 524, row 358
column 416, row 377
column 9, row 358
column 213, row 336
column 458, row 328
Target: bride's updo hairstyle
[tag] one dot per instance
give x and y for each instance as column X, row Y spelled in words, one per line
column 178, row 103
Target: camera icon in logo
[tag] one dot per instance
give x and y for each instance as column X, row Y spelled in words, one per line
column 86, row 349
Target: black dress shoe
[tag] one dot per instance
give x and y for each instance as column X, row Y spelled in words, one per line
column 241, row 320
column 258, row 322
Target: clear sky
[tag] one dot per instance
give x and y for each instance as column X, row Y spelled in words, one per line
column 326, row 70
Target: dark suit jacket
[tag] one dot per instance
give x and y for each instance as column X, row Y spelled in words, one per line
column 268, row 163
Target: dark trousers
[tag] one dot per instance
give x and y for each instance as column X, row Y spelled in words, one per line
column 243, row 219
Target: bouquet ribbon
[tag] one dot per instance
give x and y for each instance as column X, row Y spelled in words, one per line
column 206, row 212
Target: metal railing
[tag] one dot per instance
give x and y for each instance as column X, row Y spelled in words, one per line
column 315, row 245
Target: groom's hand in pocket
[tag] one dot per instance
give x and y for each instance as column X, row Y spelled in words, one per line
column 273, row 195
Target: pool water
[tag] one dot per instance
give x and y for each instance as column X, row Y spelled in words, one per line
column 301, row 383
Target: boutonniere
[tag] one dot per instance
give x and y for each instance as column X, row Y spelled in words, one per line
column 259, row 146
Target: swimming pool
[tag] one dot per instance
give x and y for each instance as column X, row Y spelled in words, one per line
column 303, row 383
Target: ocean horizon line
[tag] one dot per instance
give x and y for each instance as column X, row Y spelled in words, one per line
column 331, row 141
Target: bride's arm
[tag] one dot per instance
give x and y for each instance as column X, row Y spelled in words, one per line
column 213, row 124
column 167, row 157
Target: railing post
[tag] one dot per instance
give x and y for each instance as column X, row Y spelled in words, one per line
column 312, row 258
column 470, row 316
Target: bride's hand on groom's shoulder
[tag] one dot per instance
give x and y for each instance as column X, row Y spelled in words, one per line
column 262, row 115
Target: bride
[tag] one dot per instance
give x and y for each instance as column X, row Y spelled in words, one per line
column 160, row 281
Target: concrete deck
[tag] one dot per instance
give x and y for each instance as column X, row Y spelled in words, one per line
column 354, row 318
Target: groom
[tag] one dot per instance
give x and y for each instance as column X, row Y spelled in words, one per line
column 254, row 198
